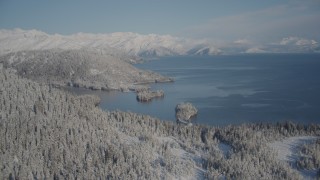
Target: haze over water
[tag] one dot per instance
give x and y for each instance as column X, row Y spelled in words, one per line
column 231, row 89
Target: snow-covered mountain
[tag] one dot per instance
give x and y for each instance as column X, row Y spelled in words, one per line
column 132, row 44
column 20, row 40
column 122, row 44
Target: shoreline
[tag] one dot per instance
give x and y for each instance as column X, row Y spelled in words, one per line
column 71, row 131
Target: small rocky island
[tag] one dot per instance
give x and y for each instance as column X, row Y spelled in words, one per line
column 147, row 95
column 184, row 111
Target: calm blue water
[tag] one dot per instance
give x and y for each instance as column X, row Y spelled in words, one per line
column 231, row 89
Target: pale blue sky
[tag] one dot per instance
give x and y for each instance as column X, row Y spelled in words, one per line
column 216, row 20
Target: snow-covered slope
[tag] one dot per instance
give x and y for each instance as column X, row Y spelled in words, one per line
column 80, row 68
column 288, row 150
column 129, row 43
column 18, row 40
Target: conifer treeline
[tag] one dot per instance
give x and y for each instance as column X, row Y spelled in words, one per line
column 48, row 133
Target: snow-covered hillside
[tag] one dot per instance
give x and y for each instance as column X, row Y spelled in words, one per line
column 115, row 43
column 80, row 68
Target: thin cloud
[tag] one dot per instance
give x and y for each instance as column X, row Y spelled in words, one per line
column 297, row 41
column 264, row 25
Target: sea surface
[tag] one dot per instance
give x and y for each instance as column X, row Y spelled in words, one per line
column 231, row 89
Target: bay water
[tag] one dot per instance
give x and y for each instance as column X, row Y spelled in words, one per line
column 230, row 89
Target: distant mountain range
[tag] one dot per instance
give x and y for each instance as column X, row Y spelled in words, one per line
column 115, row 43
column 135, row 45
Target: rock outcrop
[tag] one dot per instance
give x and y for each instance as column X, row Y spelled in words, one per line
column 184, row 111
column 145, row 96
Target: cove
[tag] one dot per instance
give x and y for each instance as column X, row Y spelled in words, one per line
column 232, row 89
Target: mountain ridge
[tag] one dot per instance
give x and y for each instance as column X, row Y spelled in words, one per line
column 134, row 45
column 129, row 43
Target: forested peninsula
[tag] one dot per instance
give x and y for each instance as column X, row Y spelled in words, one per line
column 49, row 133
